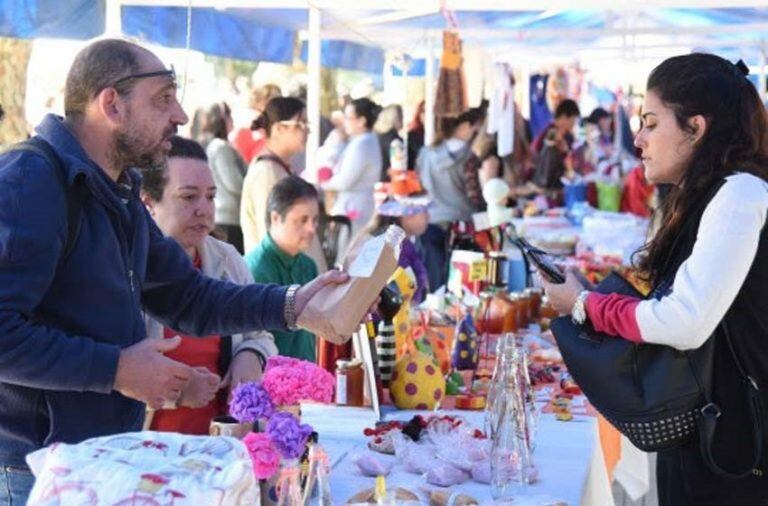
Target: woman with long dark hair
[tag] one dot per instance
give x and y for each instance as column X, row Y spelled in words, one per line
column 705, row 132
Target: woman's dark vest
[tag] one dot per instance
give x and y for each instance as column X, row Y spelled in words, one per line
column 746, row 321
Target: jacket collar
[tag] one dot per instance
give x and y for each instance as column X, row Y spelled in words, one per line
column 77, row 164
column 285, row 259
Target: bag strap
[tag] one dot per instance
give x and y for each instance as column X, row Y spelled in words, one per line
column 711, row 412
column 269, row 157
column 74, row 194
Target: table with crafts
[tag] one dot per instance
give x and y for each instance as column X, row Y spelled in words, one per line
column 568, row 456
column 576, row 460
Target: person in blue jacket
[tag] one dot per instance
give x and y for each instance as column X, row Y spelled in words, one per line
column 74, row 361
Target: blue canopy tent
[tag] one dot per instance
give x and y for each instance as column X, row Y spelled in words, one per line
column 355, row 33
column 71, row 19
column 247, row 38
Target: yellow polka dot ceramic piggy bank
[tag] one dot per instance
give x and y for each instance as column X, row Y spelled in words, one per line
column 417, row 382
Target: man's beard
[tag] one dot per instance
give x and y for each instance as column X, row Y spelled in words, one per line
column 131, row 150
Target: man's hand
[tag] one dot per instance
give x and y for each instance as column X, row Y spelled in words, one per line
column 245, row 368
column 316, row 323
column 306, row 292
column 201, row 389
column 145, row 374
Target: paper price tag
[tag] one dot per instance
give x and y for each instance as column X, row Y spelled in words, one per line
column 477, row 271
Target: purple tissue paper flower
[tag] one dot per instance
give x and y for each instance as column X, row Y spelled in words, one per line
column 250, row 402
column 288, row 435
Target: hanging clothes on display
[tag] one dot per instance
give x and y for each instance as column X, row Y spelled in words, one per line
column 479, row 74
column 623, row 139
column 501, row 110
column 557, row 88
column 451, row 99
column 541, row 116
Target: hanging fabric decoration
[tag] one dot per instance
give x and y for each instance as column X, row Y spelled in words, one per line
column 451, row 99
column 501, row 110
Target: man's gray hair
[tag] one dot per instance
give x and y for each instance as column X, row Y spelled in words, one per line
column 98, row 66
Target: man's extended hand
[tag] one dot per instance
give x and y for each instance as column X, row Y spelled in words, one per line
column 317, row 323
column 144, row 373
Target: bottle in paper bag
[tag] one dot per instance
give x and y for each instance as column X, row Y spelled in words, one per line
column 335, row 312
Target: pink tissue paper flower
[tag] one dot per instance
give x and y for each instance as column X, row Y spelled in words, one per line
column 264, row 456
column 289, row 381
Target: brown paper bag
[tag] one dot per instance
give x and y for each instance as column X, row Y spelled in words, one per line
column 336, row 311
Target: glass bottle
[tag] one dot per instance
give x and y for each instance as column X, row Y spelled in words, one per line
column 497, row 385
column 512, row 463
column 506, row 448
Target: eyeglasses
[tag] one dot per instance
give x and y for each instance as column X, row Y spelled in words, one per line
column 165, row 72
column 292, row 122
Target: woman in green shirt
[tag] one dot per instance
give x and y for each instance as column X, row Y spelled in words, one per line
column 292, row 216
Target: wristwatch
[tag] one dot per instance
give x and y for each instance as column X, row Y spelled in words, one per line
column 579, row 310
column 289, row 310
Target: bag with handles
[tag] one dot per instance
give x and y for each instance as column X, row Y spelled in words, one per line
column 659, row 397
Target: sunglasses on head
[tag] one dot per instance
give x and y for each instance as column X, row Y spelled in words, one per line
column 165, row 72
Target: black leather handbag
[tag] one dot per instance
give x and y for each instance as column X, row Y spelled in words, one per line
column 657, row 396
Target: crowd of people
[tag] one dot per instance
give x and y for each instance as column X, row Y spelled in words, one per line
column 223, row 236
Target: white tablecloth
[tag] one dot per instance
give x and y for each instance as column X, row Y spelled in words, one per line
column 568, row 456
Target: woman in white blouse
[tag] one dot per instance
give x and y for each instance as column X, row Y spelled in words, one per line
column 360, row 166
column 704, row 131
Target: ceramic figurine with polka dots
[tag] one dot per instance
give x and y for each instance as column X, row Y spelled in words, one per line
column 465, row 345
column 417, row 382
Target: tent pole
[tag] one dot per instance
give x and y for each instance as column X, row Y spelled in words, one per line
column 404, row 127
column 429, row 93
column 114, row 22
column 313, row 88
column 761, row 77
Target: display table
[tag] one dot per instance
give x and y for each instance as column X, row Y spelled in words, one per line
column 568, row 456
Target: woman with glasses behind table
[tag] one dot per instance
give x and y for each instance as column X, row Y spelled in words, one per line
column 284, row 120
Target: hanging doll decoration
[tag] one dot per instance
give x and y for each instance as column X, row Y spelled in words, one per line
column 451, row 99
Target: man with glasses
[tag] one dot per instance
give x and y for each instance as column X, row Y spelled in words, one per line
column 80, row 258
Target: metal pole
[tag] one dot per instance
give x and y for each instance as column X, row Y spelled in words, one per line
column 761, row 77
column 313, row 88
column 114, row 22
column 429, row 93
column 404, row 127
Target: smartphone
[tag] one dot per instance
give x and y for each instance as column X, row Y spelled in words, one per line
column 540, row 259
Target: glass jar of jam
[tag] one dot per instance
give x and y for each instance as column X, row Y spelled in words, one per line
column 535, row 295
column 349, row 382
